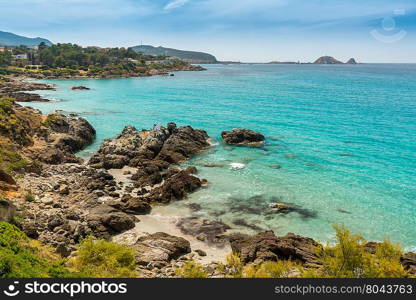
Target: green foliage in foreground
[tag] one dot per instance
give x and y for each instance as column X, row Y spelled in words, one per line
column 191, row 269
column 21, row 257
column 346, row 259
column 104, row 259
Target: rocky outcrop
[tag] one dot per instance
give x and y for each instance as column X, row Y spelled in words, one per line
column 27, row 97
column 135, row 148
column 327, row 60
column 266, row 246
column 7, row 178
column 242, row 137
column 131, row 205
column 80, row 88
column 70, row 133
column 160, row 248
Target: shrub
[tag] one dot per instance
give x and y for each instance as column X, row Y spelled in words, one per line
column 233, row 266
column 271, row 269
column 21, row 257
column 29, row 196
column 191, row 269
column 348, row 259
column 103, row 259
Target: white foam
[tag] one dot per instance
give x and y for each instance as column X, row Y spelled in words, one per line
column 237, row 166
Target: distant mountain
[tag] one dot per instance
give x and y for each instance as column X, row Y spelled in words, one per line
column 327, row 60
column 11, row 39
column 189, row 56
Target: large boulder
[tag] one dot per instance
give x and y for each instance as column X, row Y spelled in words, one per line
column 105, row 221
column 131, row 205
column 175, row 187
column 183, row 143
column 242, row 137
column 7, row 210
column 71, row 134
column 266, row 246
column 160, row 248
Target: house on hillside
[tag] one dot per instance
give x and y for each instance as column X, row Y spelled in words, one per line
column 20, row 56
column 2, row 48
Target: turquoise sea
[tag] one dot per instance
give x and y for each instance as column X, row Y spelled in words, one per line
column 344, row 136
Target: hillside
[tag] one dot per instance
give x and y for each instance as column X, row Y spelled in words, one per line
column 11, row 39
column 327, row 60
column 189, row 56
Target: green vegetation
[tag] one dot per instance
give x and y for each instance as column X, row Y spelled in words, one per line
column 273, row 269
column 11, row 160
column 29, row 196
column 73, row 60
column 349, row 259
column 21, row 257
column 191, row 269
column 101, row 259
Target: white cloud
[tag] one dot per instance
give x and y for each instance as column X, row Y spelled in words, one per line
column 175, row 4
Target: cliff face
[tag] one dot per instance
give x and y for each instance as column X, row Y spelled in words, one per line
column 351, row 61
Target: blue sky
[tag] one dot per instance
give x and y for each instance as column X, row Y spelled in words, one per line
column 246, row 30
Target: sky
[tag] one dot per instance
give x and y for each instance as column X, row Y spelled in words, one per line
column 236, row 30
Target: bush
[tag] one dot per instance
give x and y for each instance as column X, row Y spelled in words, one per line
column 191, row 269
column 349, row 259
column 21, row 257
column 12, row 160
column 103, row 259
column 272, row 269
column 233, row 266
column 29, row 196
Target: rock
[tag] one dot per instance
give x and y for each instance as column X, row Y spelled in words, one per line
column 28, row 97
column 275, row 166
column 176, row 187
column 408, row 260
column 160, row 248
column 7, row 211
column 182, row 144
column 31, row 230
column 80, row 87
column 200, row 252
column 280, row 207
column 266, row 246
column 71, row 134
column 242, row 137
column 203, row 229
column 64, row 190
column 55, row 156
column 131, row 205
column 116, row 153
column 5, row 177
column 351, row 61
column 105, row 221
column 327, row 60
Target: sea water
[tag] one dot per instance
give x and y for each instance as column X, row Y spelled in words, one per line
column 340, row 141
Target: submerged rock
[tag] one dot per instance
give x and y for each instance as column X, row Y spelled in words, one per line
column 243, row 137
column 205, row 230
column 80, row 87
column 266, row 246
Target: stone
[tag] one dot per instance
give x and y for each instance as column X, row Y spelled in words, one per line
column 243, row 137
column 408, row 260
column 201, row 252
column 203, row 229
column 160, row 248
column 266, row 246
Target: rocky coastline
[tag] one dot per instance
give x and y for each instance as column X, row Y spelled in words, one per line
column 59, row 199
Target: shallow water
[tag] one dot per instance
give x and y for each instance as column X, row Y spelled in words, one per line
column 344, row 137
